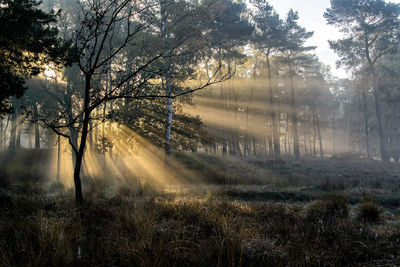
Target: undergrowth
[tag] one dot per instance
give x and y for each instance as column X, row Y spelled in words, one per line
column 136, row 228
column 250, row 213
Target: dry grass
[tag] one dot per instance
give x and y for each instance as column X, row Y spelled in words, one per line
column 286, row 222
column 133, row 228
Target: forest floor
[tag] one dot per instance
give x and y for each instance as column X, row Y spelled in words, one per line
column 237, row 212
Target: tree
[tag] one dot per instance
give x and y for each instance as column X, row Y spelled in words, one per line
column 269, row 36
column 371, row 30
column 293, row 55
column 229, row 31
column 27, row 43
column 317, row 97
column 176, row 23
column 362, row 85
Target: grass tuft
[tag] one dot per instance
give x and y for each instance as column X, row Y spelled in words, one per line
column 368, row 211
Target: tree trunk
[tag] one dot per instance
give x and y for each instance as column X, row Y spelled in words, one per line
column 334, row 132
column 91, row 142
column 314, row 135
column 265, row 147
column 381, row 130
column 37, row 131
column 246, row 152
column 305, row 135
column 224, row 147
column 239, row 150
column 74, row 141
column 19, row 133
column 310, row 138
column 231, row 108
column 5, row 130
column 58, row 158
column 29, row 133
column 168, row 149
column 77, row 178
column 295, row 130
column 286, row 135
column 366, row 127
column 224, row 138
column 382, row 134
column 103, row 139
column 1, row 132
column 109, row 86
column 275, row 134
column 321, row 151
column 168, row 82
column 270, row 147
column 80, row 152
column 168, row 126
column 254, row 147
column 13, row 132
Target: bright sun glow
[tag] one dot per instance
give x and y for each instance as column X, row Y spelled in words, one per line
column 49, row 72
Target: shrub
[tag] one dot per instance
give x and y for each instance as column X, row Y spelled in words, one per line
column 369, row 211
column 334, row 206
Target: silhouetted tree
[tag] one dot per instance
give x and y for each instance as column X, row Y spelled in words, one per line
column 28, row 42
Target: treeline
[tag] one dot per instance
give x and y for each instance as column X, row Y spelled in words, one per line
column 284, row 102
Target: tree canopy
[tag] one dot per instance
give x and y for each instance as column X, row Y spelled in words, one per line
column 28, row 41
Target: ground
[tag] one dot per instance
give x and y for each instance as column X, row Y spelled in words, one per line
column 236, row 212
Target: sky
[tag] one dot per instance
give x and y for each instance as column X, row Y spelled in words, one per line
column 311, row 16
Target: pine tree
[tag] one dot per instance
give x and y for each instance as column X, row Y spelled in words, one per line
column 293, row 55
column 371, row 30
column 27, row 43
